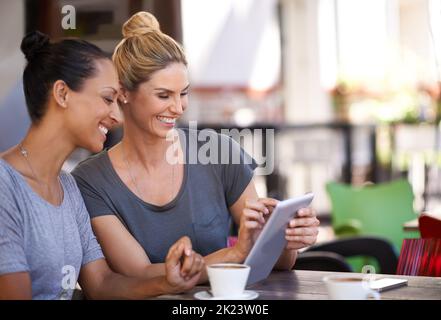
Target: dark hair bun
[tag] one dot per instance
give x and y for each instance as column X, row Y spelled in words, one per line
column 33, row 43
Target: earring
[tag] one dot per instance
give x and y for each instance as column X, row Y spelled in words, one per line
column 125, row 101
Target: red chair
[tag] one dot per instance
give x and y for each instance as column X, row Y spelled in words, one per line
column 430, row 227
column 420, row 257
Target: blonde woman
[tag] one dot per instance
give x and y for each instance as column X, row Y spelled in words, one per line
column 140, row 202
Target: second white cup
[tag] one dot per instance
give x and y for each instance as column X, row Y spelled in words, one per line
column 348, row 287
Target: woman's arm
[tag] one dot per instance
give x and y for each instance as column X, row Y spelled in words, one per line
column 98, row 281
column 126, row 256
column 182, row 267
column 122, row 251
column 15, row 286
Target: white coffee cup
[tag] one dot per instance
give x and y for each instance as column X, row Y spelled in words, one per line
column 228, row 279
column 349, row 287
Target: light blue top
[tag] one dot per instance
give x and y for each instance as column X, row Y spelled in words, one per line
column 50, row 242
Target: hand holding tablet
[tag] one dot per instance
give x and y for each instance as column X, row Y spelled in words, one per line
column 273, row 238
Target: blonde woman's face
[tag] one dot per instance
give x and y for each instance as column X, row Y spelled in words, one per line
column 157, row 104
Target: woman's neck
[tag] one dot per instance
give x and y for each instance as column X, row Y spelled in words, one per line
column 47, row 147
column 149, row 150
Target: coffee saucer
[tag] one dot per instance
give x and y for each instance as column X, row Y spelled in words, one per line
column 246, row 295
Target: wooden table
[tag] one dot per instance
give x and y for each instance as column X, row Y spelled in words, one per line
column 413, row 225
column 308, row 285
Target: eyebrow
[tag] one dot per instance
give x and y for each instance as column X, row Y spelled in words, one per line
column 171, row 91
column 111, row 88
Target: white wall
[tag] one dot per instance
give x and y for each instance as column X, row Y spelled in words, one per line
column 11, row 32
column 415, row 39
column 232, row 43
column 305, row 97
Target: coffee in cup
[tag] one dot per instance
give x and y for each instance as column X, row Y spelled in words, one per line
column 226, row 266
column 227, row 279
column 346, row 287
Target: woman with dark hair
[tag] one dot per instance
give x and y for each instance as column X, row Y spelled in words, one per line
column 46, row 241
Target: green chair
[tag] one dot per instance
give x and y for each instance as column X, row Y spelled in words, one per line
column 372, row 210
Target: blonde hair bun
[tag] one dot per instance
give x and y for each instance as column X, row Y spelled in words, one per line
column 144, row 50
column 140, row 23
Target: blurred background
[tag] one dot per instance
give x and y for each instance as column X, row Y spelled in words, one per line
column 351, row 88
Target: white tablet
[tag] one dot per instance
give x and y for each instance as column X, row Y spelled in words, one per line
column 271, row 241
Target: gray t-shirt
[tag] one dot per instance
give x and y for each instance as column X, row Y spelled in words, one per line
column 199, row 211
column 50, row 242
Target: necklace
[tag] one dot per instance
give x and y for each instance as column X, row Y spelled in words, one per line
column 25, row 155
column 132, row 178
